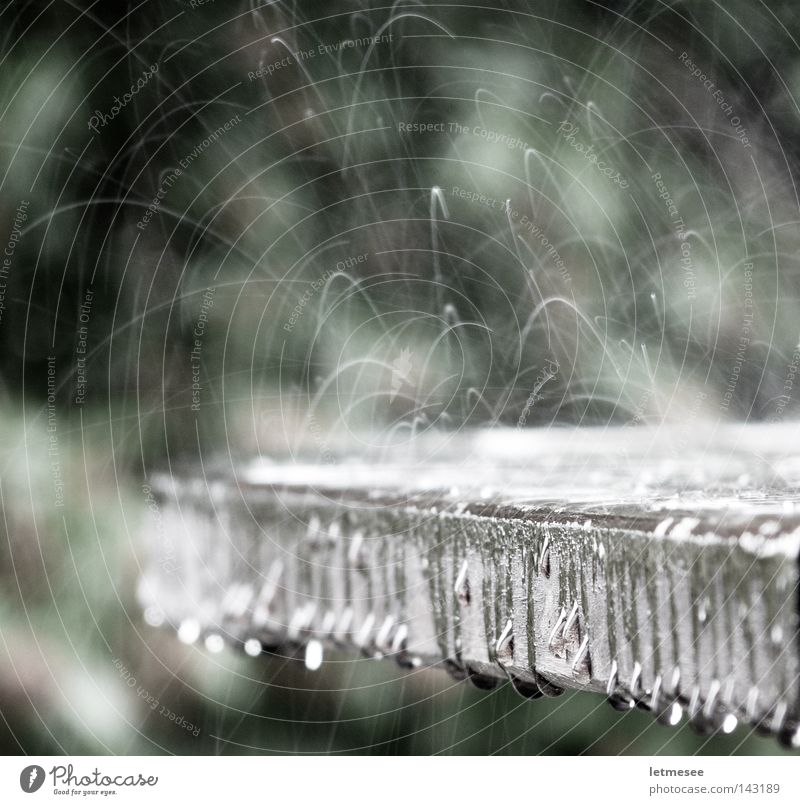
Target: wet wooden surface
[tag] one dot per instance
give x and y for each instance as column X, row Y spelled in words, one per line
column 656, row 567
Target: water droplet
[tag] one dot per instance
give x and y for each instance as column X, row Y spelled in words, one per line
column 214, row 643
column 702, row 612
column 313, row 658
column 189, row 631
column 252, row 647
column 154, row 616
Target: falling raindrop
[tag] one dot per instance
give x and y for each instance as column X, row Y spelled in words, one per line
column 214, row 643
column 252, row 647
column 450, row 314
column 647, row 366
column 189, row 631
column 461, row 586
column 314, row 653
column 437, row 197
column 154, row 616
column 657, row 308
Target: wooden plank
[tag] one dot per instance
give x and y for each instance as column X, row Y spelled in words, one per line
column 659, row 571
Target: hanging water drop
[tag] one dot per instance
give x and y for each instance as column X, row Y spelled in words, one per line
column 729, row 723
column 674, row 714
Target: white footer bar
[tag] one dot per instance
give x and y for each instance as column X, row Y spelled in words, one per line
column 398, row 781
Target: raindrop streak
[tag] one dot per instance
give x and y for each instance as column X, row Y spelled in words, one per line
column 657, row 309
column 437, row 196
column 647, row 367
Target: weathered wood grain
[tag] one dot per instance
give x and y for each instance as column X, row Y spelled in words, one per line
column 659, row 570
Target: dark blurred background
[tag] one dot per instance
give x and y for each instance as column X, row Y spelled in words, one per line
column 290, row 228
